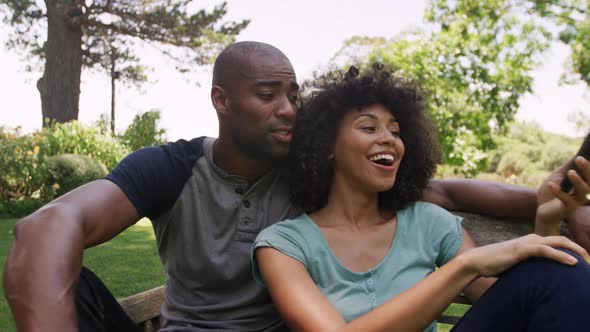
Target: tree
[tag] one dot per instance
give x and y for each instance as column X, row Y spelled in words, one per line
column 144, row 131
column 103, row 34
column 473, row 60
column 580, row 120
column 572, row 20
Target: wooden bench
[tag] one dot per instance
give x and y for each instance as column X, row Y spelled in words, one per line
column 144, row 308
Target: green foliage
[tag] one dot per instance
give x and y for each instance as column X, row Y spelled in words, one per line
column 580, row 120
column 74, row 137
column 474, row 63
column 66, row 172
column 22, row 174
column 19, row 208
column 512, row 163
column 572, row 20
column 144, row 131
column 528, row 148
column 25, row 158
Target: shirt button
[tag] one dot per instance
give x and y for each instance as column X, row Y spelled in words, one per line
column 239, row 191
column 246, row 204
column 370, row 281
column 246, row 221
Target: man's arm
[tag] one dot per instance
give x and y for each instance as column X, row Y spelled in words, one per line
column 488, row 198
column 579, row 226
column 44, row 262
column 555, row 205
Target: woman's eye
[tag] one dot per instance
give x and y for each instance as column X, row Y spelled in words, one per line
column 265, row 96
column 369, row 128
column 394, row 133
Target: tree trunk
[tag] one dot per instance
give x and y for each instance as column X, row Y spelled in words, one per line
column 59, row 86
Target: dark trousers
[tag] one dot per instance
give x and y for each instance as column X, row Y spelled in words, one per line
column 537, row 295
column 98, row 310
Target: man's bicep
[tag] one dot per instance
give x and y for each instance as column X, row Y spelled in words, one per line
column 300, row 302
column 103, row 209
column 435, row 193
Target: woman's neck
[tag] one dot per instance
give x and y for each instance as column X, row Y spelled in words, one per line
column 347, row 206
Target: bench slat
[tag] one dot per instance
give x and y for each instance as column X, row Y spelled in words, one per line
column 145, row 305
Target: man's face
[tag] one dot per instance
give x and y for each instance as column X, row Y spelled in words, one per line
column 263, row 106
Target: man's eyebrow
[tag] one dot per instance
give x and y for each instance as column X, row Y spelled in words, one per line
column 273, row 83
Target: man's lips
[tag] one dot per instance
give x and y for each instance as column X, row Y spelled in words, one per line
column 282, row 134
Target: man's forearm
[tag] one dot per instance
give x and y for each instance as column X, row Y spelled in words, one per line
column 41, row 271
column 482, row 197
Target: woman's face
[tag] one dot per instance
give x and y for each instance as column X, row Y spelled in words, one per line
column 368, row 149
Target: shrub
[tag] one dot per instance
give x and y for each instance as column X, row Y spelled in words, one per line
column 555, row 154
column 69, row 171
column 76, row 138
column 143, row 131
column 21, row 172
column 19, row 208
column 513, row 163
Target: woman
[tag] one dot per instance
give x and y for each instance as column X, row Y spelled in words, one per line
column 364, row 256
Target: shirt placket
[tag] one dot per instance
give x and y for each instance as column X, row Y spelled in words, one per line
column 370, row 284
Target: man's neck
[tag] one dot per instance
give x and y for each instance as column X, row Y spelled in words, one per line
column 226, row 157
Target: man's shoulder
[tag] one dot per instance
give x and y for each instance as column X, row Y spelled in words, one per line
column 191, row 149
column 178, row 154
column 153, row 177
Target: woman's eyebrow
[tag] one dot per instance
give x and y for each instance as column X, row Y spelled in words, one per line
column 374, row 117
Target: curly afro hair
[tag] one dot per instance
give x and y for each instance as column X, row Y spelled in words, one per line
column 316, row 128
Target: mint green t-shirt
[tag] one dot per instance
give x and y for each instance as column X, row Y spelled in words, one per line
column 426, row 236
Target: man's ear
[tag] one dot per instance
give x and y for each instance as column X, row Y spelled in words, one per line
column 219, row 99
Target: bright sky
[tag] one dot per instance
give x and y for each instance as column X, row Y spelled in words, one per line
column 308, row 32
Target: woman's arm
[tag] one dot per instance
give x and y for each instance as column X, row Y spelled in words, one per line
column 304, row 308
column 480, row 285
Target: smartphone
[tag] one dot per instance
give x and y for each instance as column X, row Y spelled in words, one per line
column 566, row 184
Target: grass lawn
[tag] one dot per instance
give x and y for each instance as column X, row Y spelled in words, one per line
column 128, row 264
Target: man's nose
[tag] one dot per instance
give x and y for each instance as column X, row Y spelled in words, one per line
column 286, row 109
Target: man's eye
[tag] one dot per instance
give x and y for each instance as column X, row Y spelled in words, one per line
column 293, row 99
column 368, row 128
column 394, row 133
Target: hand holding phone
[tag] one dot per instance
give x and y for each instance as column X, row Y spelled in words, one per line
column 566, row 184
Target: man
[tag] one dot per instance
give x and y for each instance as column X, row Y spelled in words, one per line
column 207, row 200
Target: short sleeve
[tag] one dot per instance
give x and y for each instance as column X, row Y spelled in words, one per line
column 449, row 235
column 153, row 177
column 284, row 237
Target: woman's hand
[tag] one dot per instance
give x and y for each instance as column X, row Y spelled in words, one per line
column 553, row 204
column 493, row 259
